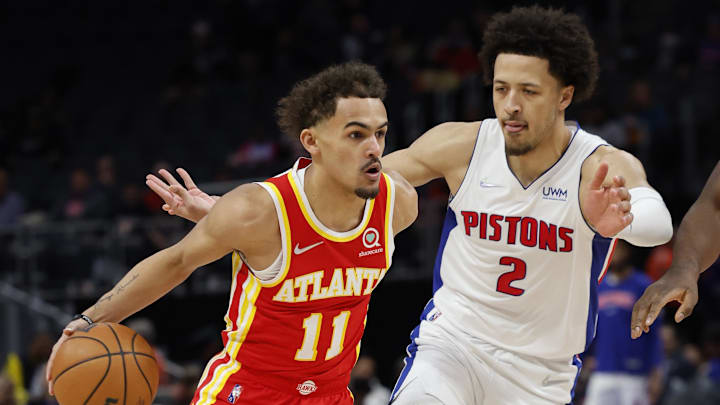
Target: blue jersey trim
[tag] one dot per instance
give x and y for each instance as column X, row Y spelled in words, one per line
column 577, row 363
column 600, row 249
column 448, row 225
column 411, row 350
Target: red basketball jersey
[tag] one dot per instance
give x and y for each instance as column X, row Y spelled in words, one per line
column 300, row 332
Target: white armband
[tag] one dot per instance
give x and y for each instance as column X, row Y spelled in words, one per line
column 652, row 224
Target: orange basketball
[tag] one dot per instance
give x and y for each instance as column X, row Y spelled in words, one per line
column 105, row 364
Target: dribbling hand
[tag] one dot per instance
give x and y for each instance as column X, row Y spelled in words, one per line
column 607, row 208
column 66, row 333
column 188, row 202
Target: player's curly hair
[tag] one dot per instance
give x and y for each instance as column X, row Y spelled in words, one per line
column 315, row 99
column 547, row 33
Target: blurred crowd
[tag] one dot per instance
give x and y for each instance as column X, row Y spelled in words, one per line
column 97, row 94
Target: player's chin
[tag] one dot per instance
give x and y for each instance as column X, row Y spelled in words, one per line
column 367, row 193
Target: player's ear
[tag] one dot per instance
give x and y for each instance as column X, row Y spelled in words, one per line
column 566, row 95
column 308, row 139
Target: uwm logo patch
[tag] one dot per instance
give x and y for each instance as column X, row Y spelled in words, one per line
column 554, row 193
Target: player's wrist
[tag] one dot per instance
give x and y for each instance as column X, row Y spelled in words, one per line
column 83, row 317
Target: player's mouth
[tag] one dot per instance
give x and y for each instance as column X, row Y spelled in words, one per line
column 372, row 170
column 514, row 127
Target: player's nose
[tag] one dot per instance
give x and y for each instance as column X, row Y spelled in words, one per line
column 374, row 147
column 512, row 103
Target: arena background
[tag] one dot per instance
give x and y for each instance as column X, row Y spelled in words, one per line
column 94, row 95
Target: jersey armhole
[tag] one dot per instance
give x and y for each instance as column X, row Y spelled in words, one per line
column 462, row 187
column 389, row 217
column 284, row 255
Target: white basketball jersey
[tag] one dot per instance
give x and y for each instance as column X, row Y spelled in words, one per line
column 518, row 266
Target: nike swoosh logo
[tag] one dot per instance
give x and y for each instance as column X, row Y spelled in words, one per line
column 547, row 381
column 488, row 185
column 298, row 250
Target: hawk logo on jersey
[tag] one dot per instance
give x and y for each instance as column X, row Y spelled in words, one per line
column 555, row 193
column 236, row 391
column 306, row 388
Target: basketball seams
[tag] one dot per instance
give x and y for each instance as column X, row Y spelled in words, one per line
column 107, row 349
column 122, row 356
column 76, row 360
column 132, row 346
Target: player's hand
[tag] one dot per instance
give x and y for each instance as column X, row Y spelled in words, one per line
column 607, row 208
column 66, row 333
column 676, row 285
column 188, row 202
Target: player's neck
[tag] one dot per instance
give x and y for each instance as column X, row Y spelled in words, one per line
column 530, row 166
column 332, row 204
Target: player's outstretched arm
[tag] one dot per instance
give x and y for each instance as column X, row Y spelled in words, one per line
column 697, row 246
column 243, row 219
column 188, row 202
column 443, row 151
column 617, row 201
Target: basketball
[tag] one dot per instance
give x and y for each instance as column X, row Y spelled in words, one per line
column 105, row 364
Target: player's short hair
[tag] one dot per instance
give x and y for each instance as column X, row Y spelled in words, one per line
column 547, row 33
column 315, row 99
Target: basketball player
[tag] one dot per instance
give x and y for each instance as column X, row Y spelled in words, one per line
column 626, row 372
column 309, row 246
column 536, row 206
column 697, row 246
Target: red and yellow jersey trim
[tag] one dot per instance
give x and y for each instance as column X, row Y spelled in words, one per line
column 285, row 237
column 235, row 338
column 389, row 207
column 294, row 183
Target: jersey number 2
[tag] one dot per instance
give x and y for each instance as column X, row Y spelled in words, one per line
column 311, row 324
column 517, row 273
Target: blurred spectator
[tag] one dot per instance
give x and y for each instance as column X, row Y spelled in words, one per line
column 107, row 183
column 11, row 203
column 38, row 354
column 183, row 390
column 145, row 328
column 627, row 372
column 81, row 201
column 704, row 388
column 7, row 389
column 365, row 386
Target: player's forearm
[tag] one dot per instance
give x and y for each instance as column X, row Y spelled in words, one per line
column 697, row 244
column 413, row 171
column 145, row 283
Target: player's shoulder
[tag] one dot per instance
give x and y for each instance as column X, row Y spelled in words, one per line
column 455, row 131
column 406, row 201
column 613, row 156
column 247, row 204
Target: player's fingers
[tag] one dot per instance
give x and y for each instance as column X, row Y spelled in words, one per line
column 189, row 183
column 628, row 218
column 619, row 181
column 686, row 308
column 639, row 314
column 168, row 177
column 623, row 193
column 599, row 177
column 655, row 307
column 181, row 192
column 161, row 191
column 156, row 179
column 624, row 206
